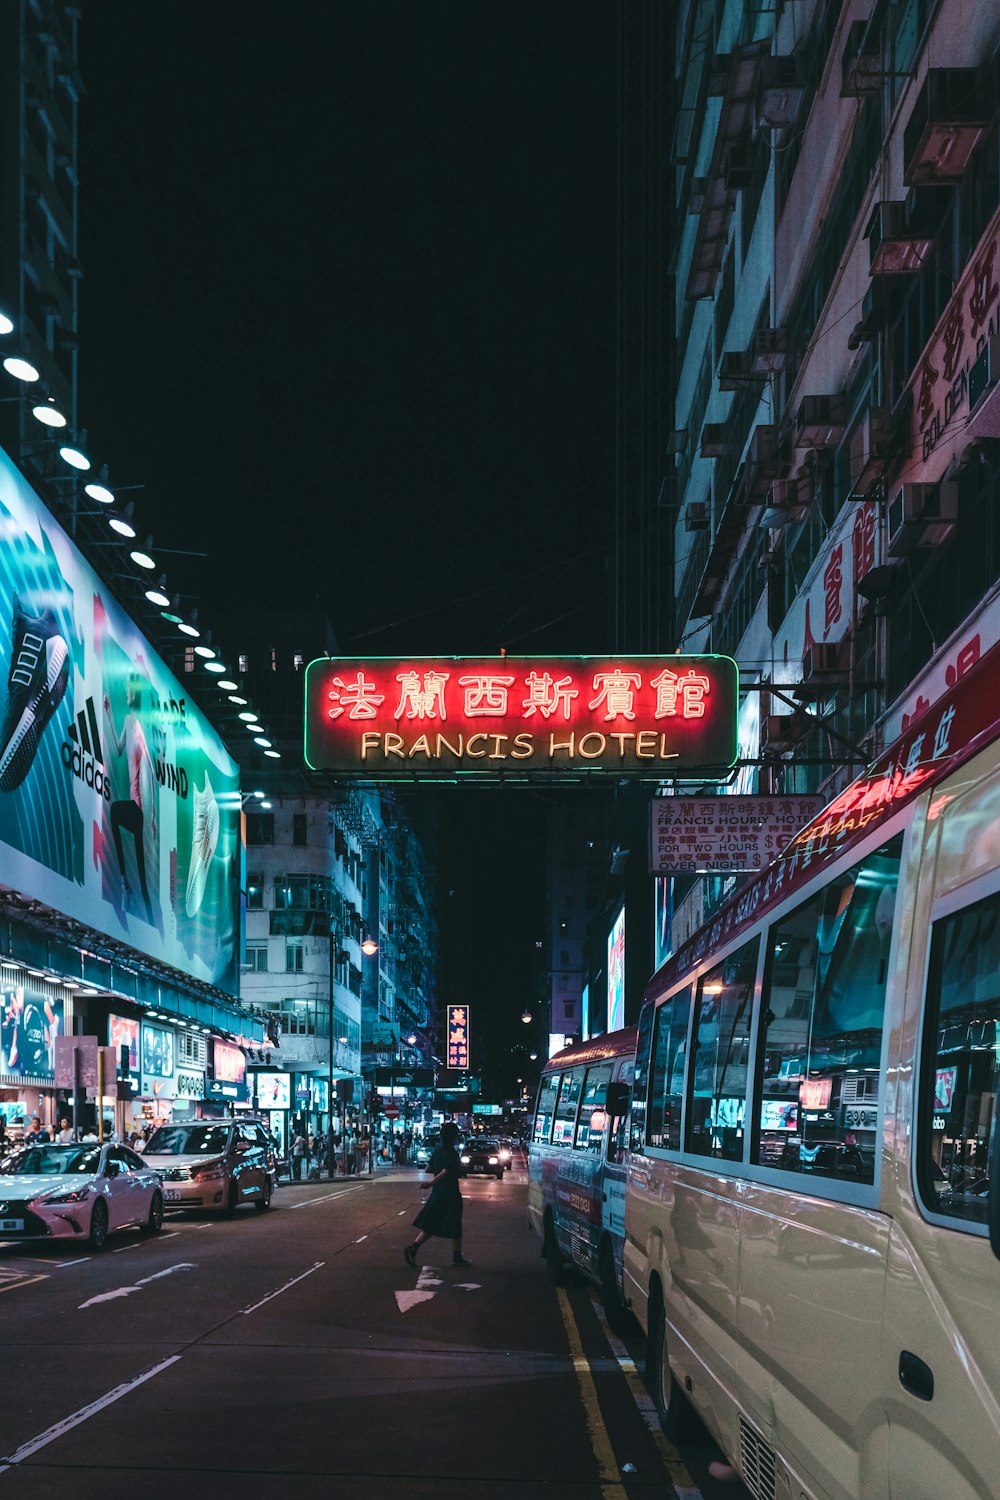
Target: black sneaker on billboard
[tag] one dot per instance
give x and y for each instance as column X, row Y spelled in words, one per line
column 36, row 682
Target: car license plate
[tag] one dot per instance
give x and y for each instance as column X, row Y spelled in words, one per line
column 11, row 1226
column 172, row 1195
column 479, row 1167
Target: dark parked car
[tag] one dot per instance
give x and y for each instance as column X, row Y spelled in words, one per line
column 481, row 1157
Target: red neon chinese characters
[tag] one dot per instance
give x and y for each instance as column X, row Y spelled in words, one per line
column 547, row 696
column 617, row 693
column 688, row 691
column 358, row 698
column 485, row 695
column 422, row 700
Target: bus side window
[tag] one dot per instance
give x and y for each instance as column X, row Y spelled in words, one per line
column 593, row 1122
column 542, row 1131
column 823, row 1013
column 961, row 1072
column 641, row 1077
column 569, row 1097
column 718, row 1070
column 666, row 1090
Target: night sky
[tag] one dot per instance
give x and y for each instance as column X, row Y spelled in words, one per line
column 348, row 315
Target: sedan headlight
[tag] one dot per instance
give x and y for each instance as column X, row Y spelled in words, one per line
column 212, row 1171
column 494, row 1161
column 68, row 1195
column 465, row 1160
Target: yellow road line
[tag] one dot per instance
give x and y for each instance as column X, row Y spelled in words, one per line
column 12, row 1286
column 611, row 1486
column 669, row 1456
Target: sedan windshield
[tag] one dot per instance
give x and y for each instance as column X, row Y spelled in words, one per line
column 53, row 1161
column 188, row 1140
column 482, row 1146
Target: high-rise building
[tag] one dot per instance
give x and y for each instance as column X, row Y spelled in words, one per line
column 837, row 299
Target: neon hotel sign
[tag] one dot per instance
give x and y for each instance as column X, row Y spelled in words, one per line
column 373, row 718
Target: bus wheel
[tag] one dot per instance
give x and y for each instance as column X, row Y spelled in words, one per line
column 554, row 1262
column 611, row 1297
column 671, row 1403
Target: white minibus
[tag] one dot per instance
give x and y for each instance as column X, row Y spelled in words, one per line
column 812, row 1221
column 577, row 1162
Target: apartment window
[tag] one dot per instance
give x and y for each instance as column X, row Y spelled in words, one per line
column 242, row 663
column 257, row 958
column 299, row 822
column 189, row 659
column 297, row 661
column 294, row 950
column 260, row 828
column 255, row 891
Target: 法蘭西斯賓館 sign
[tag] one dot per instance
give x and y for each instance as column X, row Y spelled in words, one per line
column 504, row 717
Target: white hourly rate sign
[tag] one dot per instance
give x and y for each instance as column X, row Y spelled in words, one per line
column 724, row 835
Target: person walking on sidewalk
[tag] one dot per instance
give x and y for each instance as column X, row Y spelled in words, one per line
column 442, row 1213
column 298, row 1154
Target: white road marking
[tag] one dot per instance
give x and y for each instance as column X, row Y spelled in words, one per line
column 171, row 1236
column 284, row 1288
column 406, row 1300
column 63, row 1265
column 121, row 1250
column 361, row 1239
column 326, row 1198
column 68, row 1423
column 126, row 1291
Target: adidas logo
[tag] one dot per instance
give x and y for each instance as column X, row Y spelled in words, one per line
column 82, row 753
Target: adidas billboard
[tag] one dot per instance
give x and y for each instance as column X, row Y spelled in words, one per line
column 82, row 753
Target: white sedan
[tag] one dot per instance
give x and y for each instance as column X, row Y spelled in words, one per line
column 85, row 1191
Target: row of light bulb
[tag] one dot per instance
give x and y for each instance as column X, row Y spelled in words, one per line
column 50, row 416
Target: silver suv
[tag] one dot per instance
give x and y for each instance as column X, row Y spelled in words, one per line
column 213, row 1164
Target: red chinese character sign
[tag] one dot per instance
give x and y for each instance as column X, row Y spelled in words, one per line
column 518, row 717
column 458, row 1035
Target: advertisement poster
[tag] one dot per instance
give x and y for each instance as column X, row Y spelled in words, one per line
column 157, row 1063
column 616, row 973
column 274, row 1091
column 118, row 801
column 123, row 1032
column 29, row 1025
column 230, row 1063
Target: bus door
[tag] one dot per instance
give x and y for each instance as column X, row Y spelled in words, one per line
column 584, row 1191
column 942, row 1331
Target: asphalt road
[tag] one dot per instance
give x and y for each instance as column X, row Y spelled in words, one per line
column 256, row 1356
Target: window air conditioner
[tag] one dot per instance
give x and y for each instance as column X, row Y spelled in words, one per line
column 788, row 501
column 861, row 70
column 894, row 247
column 736, row 371
column 820, row 421
column 763, row 462
column 714, row 439
column 770, row 345
column 945, row 126
column 922, row 515
column 779, row 92
column 821, row 662
column 737, row 166
column 872, row 447
column 696, row 516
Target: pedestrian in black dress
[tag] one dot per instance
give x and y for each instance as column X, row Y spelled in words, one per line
column 442, row 1213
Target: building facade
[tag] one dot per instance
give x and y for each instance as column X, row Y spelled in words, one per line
column 837, row 178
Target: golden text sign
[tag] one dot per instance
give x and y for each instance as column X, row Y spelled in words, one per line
column 518, row 717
